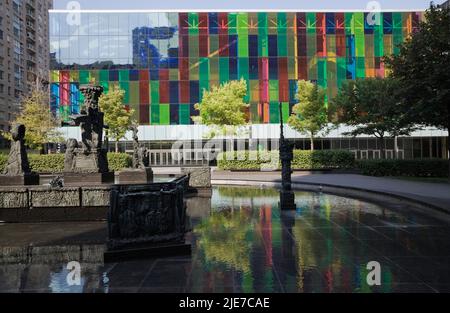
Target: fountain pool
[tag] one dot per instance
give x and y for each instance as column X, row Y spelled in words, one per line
column 242, row 242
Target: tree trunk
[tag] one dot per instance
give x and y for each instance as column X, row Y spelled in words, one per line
column 117, row 146
column 312, row 143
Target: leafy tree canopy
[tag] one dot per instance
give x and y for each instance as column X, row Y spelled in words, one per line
column 310, row 115
column 423, row 68
column 118, row 117
column 374, row 107
column 223, row 105
column 41, row 126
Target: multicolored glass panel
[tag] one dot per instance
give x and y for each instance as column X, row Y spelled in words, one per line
column 165, row 62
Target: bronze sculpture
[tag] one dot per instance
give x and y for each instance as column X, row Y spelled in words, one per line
column 17, row 170
column 140, row 154
column 89, row 157
column 140, row 171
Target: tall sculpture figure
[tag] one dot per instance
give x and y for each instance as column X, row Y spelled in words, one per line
column 89, row 158
column 140, row 154
column 140, row 173
column 17, row 170
column 287, row 196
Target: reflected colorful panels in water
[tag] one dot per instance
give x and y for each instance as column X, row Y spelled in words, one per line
column 243, row 243
column 164, row 61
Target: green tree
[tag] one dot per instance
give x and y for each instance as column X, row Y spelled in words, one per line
column 118, row 117
column 310, row 115
column 373, row 106
column 423, row 68
column 223, row 107
column 41, row 125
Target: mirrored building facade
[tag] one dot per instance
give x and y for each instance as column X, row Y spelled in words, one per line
column 164, row 60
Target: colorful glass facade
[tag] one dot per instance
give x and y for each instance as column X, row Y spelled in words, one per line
column 164, row 61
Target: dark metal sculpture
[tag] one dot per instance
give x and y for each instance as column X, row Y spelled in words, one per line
column 140, row 173
column 17, row 170
column 287, row 196
column 57, row 182
column 90, row 157
column 147, row 219
column 140, row 154
column 18, row 159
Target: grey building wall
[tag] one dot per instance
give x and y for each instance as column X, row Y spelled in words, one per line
column 24, row 52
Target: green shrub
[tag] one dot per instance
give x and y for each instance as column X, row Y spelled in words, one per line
column 54, row 163
column 412, row 168
column 119, row 161
column 46, row 163
column 3, row 161
column 303, row 160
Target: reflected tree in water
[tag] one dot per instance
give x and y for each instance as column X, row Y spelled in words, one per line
column 225, row 237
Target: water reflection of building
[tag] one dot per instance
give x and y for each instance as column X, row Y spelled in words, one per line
column 43, row 268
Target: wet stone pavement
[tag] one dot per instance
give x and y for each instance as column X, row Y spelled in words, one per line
column 243, row 243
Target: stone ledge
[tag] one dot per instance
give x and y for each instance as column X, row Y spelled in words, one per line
column 82, row 179
column 199, row 177
column 46, row 197
column 13, row 198
column 136, row 176
column 54, row 198
column 19, row 180
column 95, row 196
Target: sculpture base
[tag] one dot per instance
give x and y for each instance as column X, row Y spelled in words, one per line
column 95, row 160
column 147, row 252
column 287, row 201
column 19, row 180
column 82, row 179
column 136, row 176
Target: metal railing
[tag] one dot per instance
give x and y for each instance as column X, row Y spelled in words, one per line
column 376, row 154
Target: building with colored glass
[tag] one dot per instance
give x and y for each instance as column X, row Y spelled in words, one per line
column 164, row 61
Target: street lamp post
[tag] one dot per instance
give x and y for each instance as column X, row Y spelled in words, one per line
column 287, row 196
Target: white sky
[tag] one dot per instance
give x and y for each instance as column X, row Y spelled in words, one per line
column 245, row 4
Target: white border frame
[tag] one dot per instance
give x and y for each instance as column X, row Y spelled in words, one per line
column 232, row 11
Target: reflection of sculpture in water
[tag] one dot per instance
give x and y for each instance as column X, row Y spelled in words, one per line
column 18, row 159
column 140, row 154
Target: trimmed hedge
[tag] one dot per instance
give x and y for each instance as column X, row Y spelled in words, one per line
column 303, row 160
column 46, row 163
column 412, row 168
column 3, row 161
column 54, row 163
column 119, row 161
